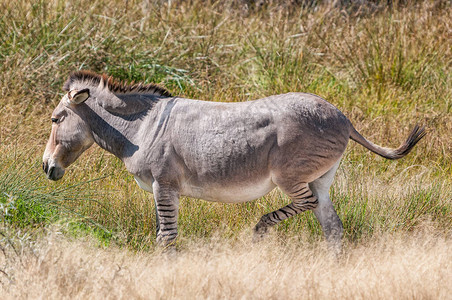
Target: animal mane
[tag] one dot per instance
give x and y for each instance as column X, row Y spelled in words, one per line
column 114, row 85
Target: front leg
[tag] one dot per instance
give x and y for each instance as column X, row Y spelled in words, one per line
column 167, row 209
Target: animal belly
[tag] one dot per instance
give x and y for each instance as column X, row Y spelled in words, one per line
column 230, row 193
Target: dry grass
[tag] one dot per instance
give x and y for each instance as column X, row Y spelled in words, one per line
column 414, row 266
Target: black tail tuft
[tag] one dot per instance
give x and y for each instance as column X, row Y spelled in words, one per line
column 415, row 136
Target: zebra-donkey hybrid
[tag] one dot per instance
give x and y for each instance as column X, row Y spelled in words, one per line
column 226, row 152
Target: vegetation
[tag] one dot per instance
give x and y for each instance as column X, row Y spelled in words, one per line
column 395, row 267
column 27, row 203
column 385, row 68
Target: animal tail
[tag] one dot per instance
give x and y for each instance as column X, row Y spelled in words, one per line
column 415, row 136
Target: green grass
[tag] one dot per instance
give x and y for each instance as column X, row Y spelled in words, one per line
column 386, row 71
column 28, row 205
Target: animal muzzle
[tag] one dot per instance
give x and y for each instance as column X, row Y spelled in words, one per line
column 52, row 170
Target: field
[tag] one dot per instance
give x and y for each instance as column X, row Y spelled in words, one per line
column 91, row 235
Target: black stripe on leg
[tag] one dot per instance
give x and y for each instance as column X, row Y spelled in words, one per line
column 300, row 189
column 164, row 229
column 299, row 195
column 310, row 204
column 167, row 216
column 285, row 212
column 303, row 205
column 168, row 223
column 166, row 210
column 293, row 209
column 309, row 196
column 276, row 216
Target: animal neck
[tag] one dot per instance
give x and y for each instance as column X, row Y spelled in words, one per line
column 127, row 105
column 113, row 132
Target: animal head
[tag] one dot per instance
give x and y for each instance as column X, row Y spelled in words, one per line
column 70, row 135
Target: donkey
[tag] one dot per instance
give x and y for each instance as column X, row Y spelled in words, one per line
column 226, row 152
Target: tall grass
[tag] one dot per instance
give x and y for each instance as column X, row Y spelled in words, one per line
column 28, row 206
column 386, row 70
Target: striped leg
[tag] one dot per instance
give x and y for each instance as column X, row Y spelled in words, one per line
column 167, row 210
column 302, row 199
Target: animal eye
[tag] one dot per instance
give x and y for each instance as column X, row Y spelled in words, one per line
column 54, row 120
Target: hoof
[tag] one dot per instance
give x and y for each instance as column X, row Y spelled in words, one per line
column 170, row 252
column 335, row 248
column 166, row 245
column 259, row 233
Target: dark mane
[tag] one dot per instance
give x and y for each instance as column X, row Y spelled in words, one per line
column 115, row 86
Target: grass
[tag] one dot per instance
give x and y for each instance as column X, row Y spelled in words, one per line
column 397, row 267
column 27, row 204
column 386, row 70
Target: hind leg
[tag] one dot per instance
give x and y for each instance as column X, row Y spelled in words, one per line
column 302, row 199
column 314, row 196
column 325, row 213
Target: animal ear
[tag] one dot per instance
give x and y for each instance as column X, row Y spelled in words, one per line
column 77, row 97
